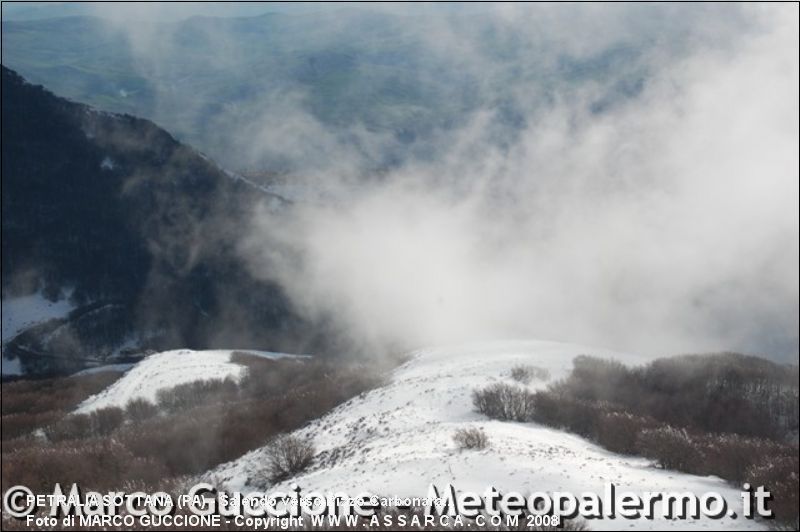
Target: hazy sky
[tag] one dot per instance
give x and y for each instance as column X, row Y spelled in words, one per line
column 162, row 11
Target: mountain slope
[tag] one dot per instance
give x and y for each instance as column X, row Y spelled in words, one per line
column 382, row 441
column 134, row 226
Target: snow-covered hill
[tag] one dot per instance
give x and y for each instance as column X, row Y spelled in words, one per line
column 397, row 439
column 166, row 370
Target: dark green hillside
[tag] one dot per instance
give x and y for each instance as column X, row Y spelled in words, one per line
column 134, row 223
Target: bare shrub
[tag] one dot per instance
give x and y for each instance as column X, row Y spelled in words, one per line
column 288, row 456
column 503, row 401
column 730, row 455
column 281, row 394
column 195, row 440
column 139, row 410
column 190, row 394
column 18, row 425
column 618, row 431
column 71, row 427
column 42, row 403
column 521, row 374
column 560, row 410
column 185, row 444
column 101, row 422
column 471, row 438
column 58, row 394
column 525, row 373
column 99, row 464
column 723, row 414
column 104, row 421
column 779, row 476
column 174, row 399
column 671, row 448
column 717, row 393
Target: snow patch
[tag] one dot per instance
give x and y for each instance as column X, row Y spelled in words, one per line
column 24, row 312
column 107, row 164
column 11, row 366
column 20, row 313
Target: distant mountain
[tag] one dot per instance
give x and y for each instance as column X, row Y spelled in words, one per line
column 135, row 227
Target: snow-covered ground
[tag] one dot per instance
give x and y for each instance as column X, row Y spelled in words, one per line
column 166, row 370
column 397, row 439
column 20, row 313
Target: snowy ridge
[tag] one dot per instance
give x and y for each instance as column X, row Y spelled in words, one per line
column 166, row 370
column 396, row 440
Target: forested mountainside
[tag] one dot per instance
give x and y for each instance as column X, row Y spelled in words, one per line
column 133, row 227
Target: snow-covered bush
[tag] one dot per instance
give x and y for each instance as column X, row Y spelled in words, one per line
column 471, row 438
column 288, row 456
column 504, row 401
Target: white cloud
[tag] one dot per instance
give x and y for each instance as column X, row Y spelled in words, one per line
column 666, row 223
